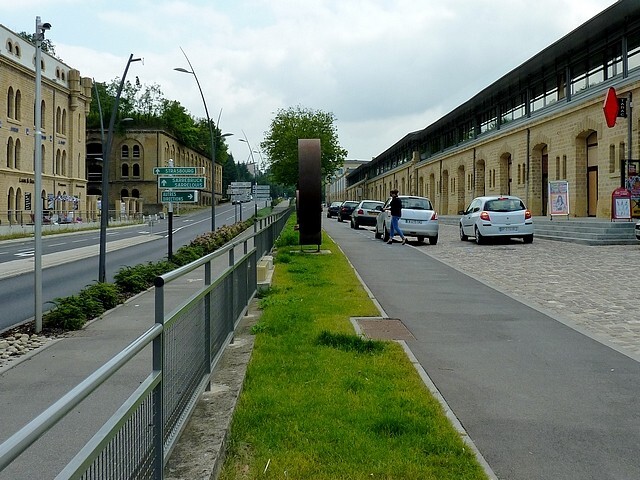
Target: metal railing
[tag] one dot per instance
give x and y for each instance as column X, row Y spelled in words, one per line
column 135, row 443
column 25, row 218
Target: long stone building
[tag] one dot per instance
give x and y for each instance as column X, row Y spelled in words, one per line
column 133, row 183
column 65, row 101
column 540, row 123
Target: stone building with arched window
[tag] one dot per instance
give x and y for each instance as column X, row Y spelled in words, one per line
column 133, row 183
column 65, row 101
column 540, row 123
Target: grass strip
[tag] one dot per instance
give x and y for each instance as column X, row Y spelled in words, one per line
column 321, row 403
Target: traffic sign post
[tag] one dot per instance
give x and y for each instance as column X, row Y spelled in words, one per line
column 189, row 183
column 178, row 171
column 175, row 196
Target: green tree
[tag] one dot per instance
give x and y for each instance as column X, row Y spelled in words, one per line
column 281, row 142
column 147, row 108
column 46, row 45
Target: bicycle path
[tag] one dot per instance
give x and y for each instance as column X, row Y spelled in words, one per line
column 538, row 398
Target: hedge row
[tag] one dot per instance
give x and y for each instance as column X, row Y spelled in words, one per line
column 71, row 313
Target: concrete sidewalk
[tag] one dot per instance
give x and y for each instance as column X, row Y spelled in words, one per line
column 35, row 381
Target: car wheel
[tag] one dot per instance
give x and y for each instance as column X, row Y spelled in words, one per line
column 339, row 218
column 376, row 233
column 433, row 240
column 328, row 215
column 463, row 237
column 355, row 223
column 420, row 238
column 479, row 237
column 385, row 235
column 528, row 238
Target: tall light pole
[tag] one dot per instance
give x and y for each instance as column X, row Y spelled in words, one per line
column 106, row 153
column 212, row 139
column 37, row 184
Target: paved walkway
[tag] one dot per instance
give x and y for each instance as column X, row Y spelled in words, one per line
column 538, row 399
column 591, row 288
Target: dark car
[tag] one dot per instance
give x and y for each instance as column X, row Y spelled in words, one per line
column 346, row 209
column 332, row 210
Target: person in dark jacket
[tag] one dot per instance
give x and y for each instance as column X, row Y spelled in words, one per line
column 396, row 213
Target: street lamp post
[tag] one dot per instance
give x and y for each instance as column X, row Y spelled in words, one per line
column 212, row 139
column 106, row 152
column 37, row 184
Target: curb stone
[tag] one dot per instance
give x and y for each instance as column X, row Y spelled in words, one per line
column 201, row 449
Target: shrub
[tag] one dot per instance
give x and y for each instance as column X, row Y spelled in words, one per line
column 107, row 294
column 67, row 314
column 187, row 254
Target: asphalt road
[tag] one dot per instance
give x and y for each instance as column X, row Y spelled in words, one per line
column 80, row 270
column 539, row 399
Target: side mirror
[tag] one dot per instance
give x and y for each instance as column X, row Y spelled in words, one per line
column 461, row 212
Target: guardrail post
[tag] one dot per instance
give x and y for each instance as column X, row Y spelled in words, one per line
column 158, row 402
column 207, row 322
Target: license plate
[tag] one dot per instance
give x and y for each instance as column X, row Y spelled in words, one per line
column 508, row 229
column 413, row 221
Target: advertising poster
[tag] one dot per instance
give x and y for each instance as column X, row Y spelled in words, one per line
column 559, row 197
column 632, row 184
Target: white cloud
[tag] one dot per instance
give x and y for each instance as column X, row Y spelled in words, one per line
column 383, row 67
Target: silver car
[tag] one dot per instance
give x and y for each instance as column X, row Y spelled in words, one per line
column 366, row 213
column 419, row 219
column 496, row 216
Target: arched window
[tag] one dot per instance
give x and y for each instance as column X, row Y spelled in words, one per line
column 64, row 163
column 17, row 50
column 10, row 153
column 64, row 122
column 124, row 193
column 135, row 193
column 18, row 105
column 10, row 103
column 125, row 151
column 19, row 208
column 18, row 154
column 42, row 115
column 57, row 166
column 11, row 198
column 136, row 151
column 58, row 119
column 125, row 169
column 9, row 46
column 136, row 170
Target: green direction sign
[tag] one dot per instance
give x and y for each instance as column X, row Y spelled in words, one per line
column 178, row 170
column 181, row 182
column 174, row 196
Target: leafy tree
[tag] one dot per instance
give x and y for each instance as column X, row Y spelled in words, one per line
column 46, row 45
column 146, row 106
column 281, row 142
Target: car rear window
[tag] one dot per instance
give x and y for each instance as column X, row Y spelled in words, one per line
column 371, row 205
column 350, row 204
column 504, row 205
column 416, row 204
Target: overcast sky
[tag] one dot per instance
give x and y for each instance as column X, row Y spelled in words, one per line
column 383, row 67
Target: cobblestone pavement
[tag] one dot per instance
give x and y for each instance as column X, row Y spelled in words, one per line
column 591, row 288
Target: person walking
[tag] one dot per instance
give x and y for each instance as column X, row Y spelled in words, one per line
column 396, row 212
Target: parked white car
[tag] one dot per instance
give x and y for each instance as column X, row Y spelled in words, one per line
column 638, row 230
column 419, row 219
column 496, row 216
